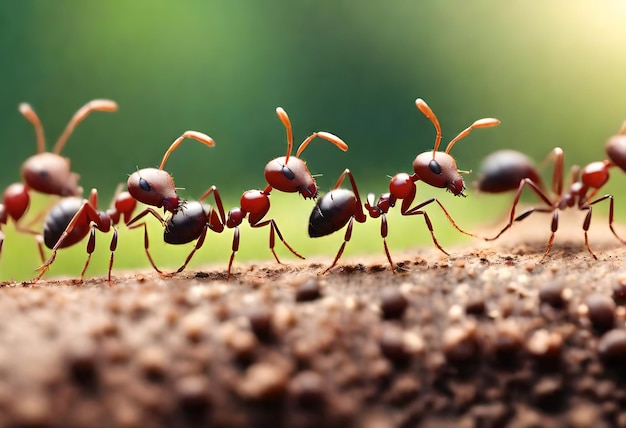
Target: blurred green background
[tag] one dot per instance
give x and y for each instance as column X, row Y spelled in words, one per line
column 553, row 72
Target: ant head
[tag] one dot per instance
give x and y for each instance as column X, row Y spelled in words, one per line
column 49, row 172
column 291, row 176
column 503, row 171
column 438, row 169
column 616, row 148
column 154, row 187
column 289, row 173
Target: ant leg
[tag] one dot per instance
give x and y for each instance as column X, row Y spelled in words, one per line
column 430, row 228
column 146, row 245
column 611, row 201
column 535, row 188
column 196, row 247
column 112, row 248
column 91, row 246
column 274, row 228
column 384, row 230
column 554, row 227
column 235, row 248
column 447, row 214
column 346, row 239
column 586, row 225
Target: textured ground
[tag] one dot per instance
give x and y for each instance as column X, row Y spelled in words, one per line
column 486, row 338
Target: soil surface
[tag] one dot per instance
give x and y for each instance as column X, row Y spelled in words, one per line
column 488, row 337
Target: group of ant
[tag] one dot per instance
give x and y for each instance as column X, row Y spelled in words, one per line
column 73, row 218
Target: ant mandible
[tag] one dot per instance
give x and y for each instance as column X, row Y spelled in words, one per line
column 286, row 174
column 508, row 170
column 73, row 218
column 438, row 169
column 45, row 172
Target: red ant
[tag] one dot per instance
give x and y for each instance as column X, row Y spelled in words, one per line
column 73, row 218
column 435, row 168
column 155, row 187
column 45, row 172
column 287, row 174
column 507, row 170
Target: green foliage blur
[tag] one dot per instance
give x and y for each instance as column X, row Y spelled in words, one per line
column 552, row 72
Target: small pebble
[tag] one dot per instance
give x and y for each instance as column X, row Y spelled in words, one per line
column 552, row 294
column 264, row 381
column 260, row 318
column 393, row 303
column 545, row 346
column 601, row 311
column 459, row 344
column 612, row 347
column 309, row 290
column 476, row 306
column 392, row 344
column 619, row 293
column 308, row 389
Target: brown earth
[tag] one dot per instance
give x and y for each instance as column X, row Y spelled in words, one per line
column 488, row 337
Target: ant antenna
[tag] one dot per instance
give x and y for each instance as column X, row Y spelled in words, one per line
column 326, row 136
column 480, row 123
column 423, row 107
column 282, row 115
column 28, row 112
column 622, row 130
column 195, row 135
column 79, row 116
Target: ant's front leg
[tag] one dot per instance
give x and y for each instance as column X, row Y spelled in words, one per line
column 146, row 241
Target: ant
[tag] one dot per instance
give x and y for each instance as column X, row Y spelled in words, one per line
column 508, row 170
column 287, row 174
column 435, row 168
column 73, row 218
column 155, row 187
column 45, row 172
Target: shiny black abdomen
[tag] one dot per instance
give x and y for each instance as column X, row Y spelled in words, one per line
column 331, row 212
column 186, row 224
column 58, row 219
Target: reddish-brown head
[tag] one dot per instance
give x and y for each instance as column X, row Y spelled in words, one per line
column 155, row 187
column 50, row 173
column 289, row 173
column 438, row 169
column 616, row 148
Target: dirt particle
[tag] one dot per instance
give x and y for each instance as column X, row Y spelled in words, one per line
column 308, row 291
column 242, row 343
column 392, row 344
column 193, row 395
column 612, row 347
column 459, row 344
column 619, row 292
column 545, row 346
column 264, row 381
column 308, row 389
column 548, row 393
column 552, row 294
column 601, row 311
column 153, row 363
column 260, row 319
column 476, row 306
column 393, row 303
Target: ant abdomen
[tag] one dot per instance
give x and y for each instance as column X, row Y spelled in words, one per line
column 186, row 224
column 59, row 218
column 616, row 148
column 503, row 171
column 332, row 212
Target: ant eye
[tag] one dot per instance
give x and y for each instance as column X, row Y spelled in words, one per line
column 288, row 173
column 145, row 186
column 435, row 167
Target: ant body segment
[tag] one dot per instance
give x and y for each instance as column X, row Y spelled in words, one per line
column 508, row 170
column 45, row 172
column 73, row 218
column 435, row 168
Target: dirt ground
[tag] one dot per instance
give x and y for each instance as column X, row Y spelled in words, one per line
column 488, row 337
